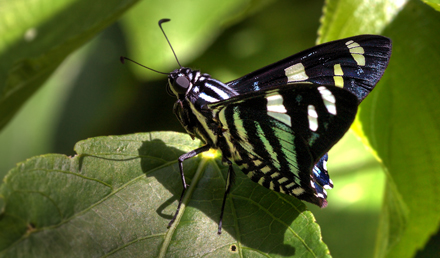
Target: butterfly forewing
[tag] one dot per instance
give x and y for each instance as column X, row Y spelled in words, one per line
column 277, row 136
column 355, row 63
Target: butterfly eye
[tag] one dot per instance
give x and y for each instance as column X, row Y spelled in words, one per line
column 182, row 82
column 180, row 85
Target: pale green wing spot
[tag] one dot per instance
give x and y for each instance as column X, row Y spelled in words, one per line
column 282, row 180
column 226, row 133
column 271, row 185
column 201, row 117
column 357, row 52
column 257, row 162
column 274, row 175
column 265, row 169
column 238, row 122
column 267, row 145
column 286, row 140
column 281, row 117
column 298, row 191
column 290, row 185
column 250, row 174
column 339, row 81
column 296, row 73
column 313, row 117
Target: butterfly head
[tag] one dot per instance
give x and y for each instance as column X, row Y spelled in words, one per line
column 180, row 81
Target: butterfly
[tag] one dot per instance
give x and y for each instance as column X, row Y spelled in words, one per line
column 278, row 123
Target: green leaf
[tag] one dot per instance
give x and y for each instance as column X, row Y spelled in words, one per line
column 401, row 119
column 398, row 119
column 117, row 195
column 433, row 3
column 345, row 18
column 36, row 38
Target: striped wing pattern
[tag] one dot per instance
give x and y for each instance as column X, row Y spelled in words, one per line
column 277, row 136
column 355, row 64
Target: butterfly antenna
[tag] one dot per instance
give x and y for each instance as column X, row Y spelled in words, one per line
column 160, row 25
column 123, row 58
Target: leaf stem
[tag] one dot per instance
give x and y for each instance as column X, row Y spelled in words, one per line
column 188, row 194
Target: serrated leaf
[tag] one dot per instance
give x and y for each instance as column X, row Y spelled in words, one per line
column 38, row 35
column 116, row 197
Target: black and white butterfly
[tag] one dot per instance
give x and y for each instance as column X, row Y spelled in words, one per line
column 278, row 123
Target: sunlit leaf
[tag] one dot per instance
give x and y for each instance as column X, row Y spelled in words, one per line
column 118, row 194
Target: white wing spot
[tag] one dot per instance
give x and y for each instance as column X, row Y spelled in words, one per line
column 329, row 99
column 319, row 195
column 296, row 73
column 313, row 118
column 276, row 109
column 275, row 104
column 324, row 165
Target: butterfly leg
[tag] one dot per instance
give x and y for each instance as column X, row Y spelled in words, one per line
column 229, row 181
column 182, row 174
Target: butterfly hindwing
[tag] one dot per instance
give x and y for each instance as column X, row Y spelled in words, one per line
column 355, row 64
column 277, row 136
